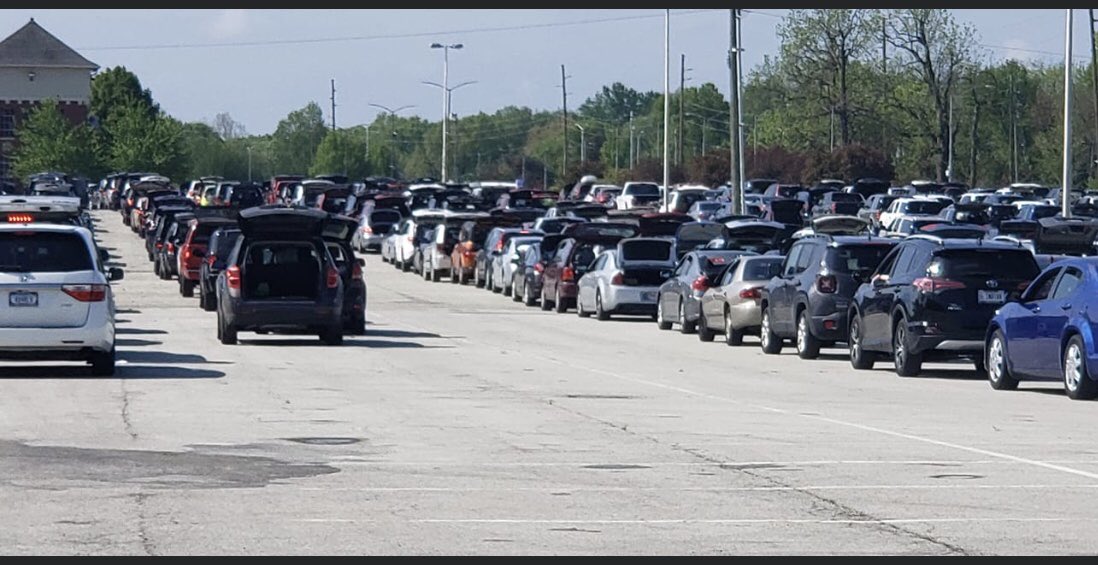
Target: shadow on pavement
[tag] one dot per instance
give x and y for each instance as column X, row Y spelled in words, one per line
column 164, row 358
column 129, row 372
column 135, row 342
column 1052, row 391
column 400, row 333
column 137, row 331
column 347, row 342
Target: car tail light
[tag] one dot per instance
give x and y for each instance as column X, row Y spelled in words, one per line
column 567, row 274
column 356, row 272
column 367, row 230
column 186, row 253
column 935, row 284
column 211, row 259
column 333, row 277
column 232, row 280
column 700, row 284
column 410, row 239
column 827, row 284
column 751, row 293
column 539, row 268
column 171, row 248
column 834, row 206
column 499, row 245
column 86, row 292
column 20, row 218
column 618, row 279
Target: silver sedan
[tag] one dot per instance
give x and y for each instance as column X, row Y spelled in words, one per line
column 626, row 280
column 731, row 307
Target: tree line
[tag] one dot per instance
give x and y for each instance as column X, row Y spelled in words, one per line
column 851, row 93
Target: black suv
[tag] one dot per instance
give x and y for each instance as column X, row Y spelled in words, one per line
column 932, row 298
column 281, row 277
column 844, row 203
column 221, row 244
column 809, row 301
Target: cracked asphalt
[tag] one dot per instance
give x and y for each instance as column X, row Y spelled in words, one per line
column 464, row 423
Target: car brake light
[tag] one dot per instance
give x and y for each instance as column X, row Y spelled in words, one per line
column 618, row 279
column 409, row 239
column 499, row 245
column 171, row 248
column 232, row 277
column 86, row 292
column 356, row 272
column 20, row 218
column 367, row 230
column 539, row 268
column 186, row 253
column 210, row 259
column 700, row 284
column 567, row 274
column 935, row 284
column 827, row 284
column 333, row 277
column 750, row 293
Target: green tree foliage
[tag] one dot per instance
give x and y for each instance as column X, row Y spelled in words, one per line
column 141, row 143
column 297, row 138
column 48, row 142
column 342, row 152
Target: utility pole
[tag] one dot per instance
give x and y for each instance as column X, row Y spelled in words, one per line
column 884, row 46
column 583, row 145
column 1013, row 133
column 949, row 165
column 632, row 140
column 739, row 102
column 564, row 101
column 1094, row 79
column 682, row 100
column 544, row 177
column 734, row 114
column 333, row 104
column 1065, row 193
column 616, row 134
column 666, row 107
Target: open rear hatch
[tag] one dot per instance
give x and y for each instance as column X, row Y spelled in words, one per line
column 1066, row 236
column 691, row 235
column 840, row 225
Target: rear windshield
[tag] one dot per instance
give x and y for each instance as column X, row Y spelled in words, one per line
column 43, row 252
column 761, row 269
column 714, row 264
column 646, row 250
column 924, row 207
column 644, row 190
column 202, row 232
column 584, row 254
column 226, row 241
column 385, row 216
column 708, row 205
column 856, row 258
column 984, row 263
column 787, row 191
column 845, row 197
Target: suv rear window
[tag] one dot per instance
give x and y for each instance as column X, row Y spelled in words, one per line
column 856, row 258
column 924, row 207
column 385, row 216
column 845, row 197
column 644, row 190
column 984, row 263
column 226, row 241
column 43, row 252
column 646, row 251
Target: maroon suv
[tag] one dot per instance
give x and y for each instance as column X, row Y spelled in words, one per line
column 572, row 257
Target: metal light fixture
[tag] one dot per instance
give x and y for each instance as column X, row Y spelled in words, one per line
column 30, row 76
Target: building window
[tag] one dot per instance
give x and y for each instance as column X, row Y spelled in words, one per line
column 5, row 167
column 7, row 123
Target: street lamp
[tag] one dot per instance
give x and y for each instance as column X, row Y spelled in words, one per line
column 390, row 113
column 445, row 95
column 445, row 119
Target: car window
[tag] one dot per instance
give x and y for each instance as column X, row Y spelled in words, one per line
column 1068, row 282
column 584, row 254
column 998, row 263
column 1042, row 287
column 761, row 269
column 43, row 252
column 902, row 261
column 856, row 258
column 730, row 272
column 646, row 250
column 789, row 267
column 805, row 258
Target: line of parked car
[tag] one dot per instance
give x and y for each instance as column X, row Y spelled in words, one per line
column 926, row 272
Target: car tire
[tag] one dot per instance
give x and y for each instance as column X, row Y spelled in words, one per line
column 907, row 364
column 454, row 275
column 528, row 295
column 405, row 266
column 704, row 333
column 186, row 287
column 661, row 321
column 601, row 313
column 332, row 336
column 515, row 297
column 1077, row 382
column 559, row 306
column 546, row 304
column 859, row 358
column 227, row 332
column 493, row 286
column 808, row 347
column 998, row 370
column 509, row 289
column 732, row 336
column 771, row 343
column 579, row 309
column 684, row 326
column 102, row 363
column 476, row 278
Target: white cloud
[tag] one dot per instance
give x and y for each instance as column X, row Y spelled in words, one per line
column 229, row 24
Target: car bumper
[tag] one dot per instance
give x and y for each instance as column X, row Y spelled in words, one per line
column 56, row 343
column 371, row 241
column 567, row 290
column 830, row 327
column 953, row 344
column 745, row 315
column 269, row 315
column 631, row 300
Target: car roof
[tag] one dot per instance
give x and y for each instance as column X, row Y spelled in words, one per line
column 59, row 228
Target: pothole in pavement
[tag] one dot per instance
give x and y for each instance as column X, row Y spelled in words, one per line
column 324, row 440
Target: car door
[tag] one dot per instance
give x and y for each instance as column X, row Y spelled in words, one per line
column 777, row 289
column 1053, row 318
column 589, row 283
column 781, row 317
column 681, row 286
column 876, row 303
column 713, row 300
column 553, row 268
column 1021, row 326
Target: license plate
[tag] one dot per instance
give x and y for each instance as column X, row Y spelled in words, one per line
column 648, row 297
column 23, row 299
column 991, row 296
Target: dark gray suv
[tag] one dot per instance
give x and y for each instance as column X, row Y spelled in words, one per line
column 808, row 302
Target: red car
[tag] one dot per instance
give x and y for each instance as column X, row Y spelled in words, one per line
column 194, row 247
column 572, row 257
column 278, row 184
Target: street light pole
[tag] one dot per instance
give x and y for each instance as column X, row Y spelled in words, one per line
column 666, row 105
column 1065, row 193
column 445, row 96
column 249, row 163
column 583, row 145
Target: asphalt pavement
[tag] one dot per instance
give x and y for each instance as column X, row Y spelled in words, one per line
column 465, row 423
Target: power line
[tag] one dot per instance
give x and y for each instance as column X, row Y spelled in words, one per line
column 388, row 35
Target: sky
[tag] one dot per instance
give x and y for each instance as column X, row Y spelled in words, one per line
column 196, row 69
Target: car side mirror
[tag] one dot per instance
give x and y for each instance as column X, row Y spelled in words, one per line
column 879, row 281
column 115, row 274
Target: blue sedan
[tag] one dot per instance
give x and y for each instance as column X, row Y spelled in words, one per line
column 1049, row 333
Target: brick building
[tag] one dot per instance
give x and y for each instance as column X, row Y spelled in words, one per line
column 34, row 66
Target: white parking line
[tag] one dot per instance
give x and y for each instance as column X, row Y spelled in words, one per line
column 694, row 489
column 688, row 521
column 912, row 437
column 356, row 460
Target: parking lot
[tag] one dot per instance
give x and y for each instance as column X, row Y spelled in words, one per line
column 463, row 423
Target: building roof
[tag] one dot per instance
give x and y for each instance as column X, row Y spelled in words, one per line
column 32, row 46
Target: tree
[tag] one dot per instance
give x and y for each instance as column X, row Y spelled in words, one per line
column 614, row 103
column 117, row 88
column 849, row 162
column 48, row 142
column 227, row 127
column 141, row 143
column 342, row 152
column 297, row 138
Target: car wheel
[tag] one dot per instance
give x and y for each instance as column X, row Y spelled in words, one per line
column 227, row 335
column 732, row 336
column 579, row 309
column 600, row 311
column 808, row 347
column 332, row 336
column 528, row 295
column 405, row 266
column 492, row 284
column 907, row 363
column 859, row 358
column 509, row 289
column 186, row 287
column 559, row 306
column 661, row 321
column 515, row 297
column 102, row 363
column 770, row 342
column 545, row 303
column 704, row 333
column 684, row 326
column 453, row 275
column 1077, row 382
column 998, row 372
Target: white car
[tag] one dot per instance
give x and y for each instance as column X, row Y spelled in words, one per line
column 681, row 199
column 503, row 267
column 627, row 279
column 56, row 295
column 638, row 194
column 916, row 205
